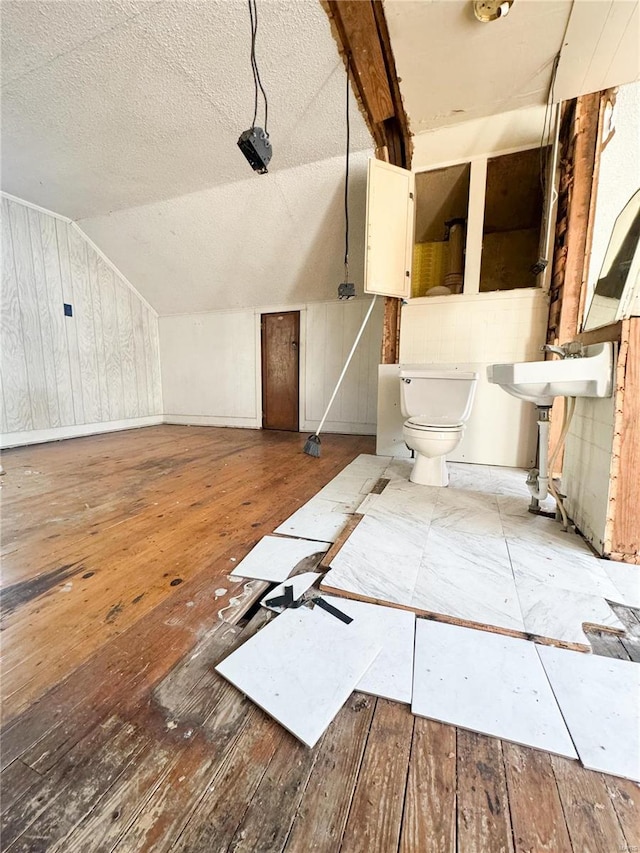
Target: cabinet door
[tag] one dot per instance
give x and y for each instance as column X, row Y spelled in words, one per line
column 390, row 224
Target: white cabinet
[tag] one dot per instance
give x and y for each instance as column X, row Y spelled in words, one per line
column 390, row 226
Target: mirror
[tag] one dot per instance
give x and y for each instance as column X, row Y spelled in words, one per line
column 620, row 272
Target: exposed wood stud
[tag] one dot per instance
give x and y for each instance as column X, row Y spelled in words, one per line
column 361, row 30
column 622, row 533
column 579, row 157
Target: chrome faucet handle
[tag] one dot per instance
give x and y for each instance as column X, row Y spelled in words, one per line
column 574, row 349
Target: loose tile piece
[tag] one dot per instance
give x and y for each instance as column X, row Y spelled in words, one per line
column 600, row 701
column 391, row 673
column 318, row 519
column 273, row 559
column 301, row 668
column 299, row 583
column 487, row 683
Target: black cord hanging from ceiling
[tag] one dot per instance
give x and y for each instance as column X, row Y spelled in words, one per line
column 254, row 143
column 257, row 82
column 346, row 181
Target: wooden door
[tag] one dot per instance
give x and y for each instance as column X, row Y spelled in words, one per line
column 390, row 227
column 280, row 370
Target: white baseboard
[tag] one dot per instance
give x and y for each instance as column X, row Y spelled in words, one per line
column 340, row 427
column 212, row 420
column 39, row 436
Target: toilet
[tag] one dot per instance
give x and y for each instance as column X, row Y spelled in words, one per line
column 436, row 404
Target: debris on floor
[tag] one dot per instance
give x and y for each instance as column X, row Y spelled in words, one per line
column 460, row 556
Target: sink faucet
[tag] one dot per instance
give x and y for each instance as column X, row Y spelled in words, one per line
column 571, row 350
column 551, row 348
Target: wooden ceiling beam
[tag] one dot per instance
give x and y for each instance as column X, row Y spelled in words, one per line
column 361, row 31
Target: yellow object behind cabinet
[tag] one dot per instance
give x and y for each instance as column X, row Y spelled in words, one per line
column 429, row 266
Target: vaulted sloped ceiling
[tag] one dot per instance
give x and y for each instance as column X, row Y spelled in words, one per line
column 124, row 116
column 110, row 105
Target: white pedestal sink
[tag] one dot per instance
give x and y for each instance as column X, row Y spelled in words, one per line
column 540, row 381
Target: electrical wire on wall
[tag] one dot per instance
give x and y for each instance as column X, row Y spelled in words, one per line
column 346, row 289
column 547, row 169
column 254, row 143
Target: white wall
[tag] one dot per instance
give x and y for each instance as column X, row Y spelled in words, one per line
column 473, row 331
column 64, row 376
column 275, row 239
column 480, row 137
column 211, row 366
column 586, row 467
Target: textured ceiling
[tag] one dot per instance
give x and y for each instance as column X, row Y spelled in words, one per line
column 264, row 241
column 454, row 68
column 111, row 105
column 124, row 115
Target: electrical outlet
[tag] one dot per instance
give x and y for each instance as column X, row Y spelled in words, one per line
column 68, row 310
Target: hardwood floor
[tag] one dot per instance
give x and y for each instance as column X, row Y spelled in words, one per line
column 119, row 736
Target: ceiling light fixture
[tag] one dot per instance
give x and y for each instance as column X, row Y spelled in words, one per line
column 254, row 143
column 491, row 10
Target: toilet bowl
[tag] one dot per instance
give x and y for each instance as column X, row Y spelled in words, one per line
column 437, row 404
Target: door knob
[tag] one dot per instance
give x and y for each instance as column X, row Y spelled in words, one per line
column 294, row 344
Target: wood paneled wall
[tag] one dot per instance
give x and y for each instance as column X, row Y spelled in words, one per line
column 101, row 364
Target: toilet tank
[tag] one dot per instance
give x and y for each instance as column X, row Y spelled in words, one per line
column 438, row 397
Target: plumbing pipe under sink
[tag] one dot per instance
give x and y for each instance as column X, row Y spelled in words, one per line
column 542, row 486
column 538, row 479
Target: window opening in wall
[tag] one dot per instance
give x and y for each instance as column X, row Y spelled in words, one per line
column 511, row 231
column 442, row 202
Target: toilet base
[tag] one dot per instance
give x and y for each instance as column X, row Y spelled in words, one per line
column 430, row 472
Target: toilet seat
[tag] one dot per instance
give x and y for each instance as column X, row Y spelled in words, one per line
column 421, row 425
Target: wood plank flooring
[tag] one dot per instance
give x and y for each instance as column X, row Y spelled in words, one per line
column 119, row 736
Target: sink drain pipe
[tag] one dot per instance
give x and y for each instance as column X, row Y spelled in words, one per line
column 540, row 486
column 538, row 479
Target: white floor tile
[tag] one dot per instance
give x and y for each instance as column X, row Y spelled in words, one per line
column 317, row 519
column 406, row 502
column 273, row 559
column 301, row 668
column 367, row 504
column 391, row 673
column 626, row 579
column 555, row 613
column 474, row 478
column 486, row 683
column 600, row 700
column 555, row 566
column 467, row 512
column 468, row 578
column 376, row 563
column 398, row 469
column 367, row 465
